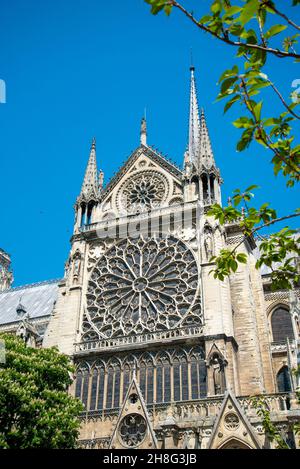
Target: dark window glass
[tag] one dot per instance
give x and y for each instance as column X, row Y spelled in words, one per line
column 94, row 390
column 101, row 389
column 167, row 396
column 117, row 387
column 176, row 373
column 126, row 380
column 109, row 392
column 78, row 385
column 85, row 389
column 282, row 327
column 195, row 380
column 184, row 381
column 143, row 381
column 149, row 384
column 159, row 384
column 283, row 380
column 202, row 378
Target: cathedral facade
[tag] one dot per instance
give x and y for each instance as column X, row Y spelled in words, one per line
column 166, row 355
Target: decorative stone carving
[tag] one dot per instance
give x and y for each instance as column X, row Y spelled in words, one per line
column 76, row 266
column 144, row 190
column 218, row 372
column 208, row 242
column 231, row 421
column 132, row 430
column 140, row 285
column 6, row 275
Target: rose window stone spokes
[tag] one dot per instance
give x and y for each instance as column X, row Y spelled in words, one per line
column 140, row 285
column 143, row 190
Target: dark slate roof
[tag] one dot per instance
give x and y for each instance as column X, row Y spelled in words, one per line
column 38, row 300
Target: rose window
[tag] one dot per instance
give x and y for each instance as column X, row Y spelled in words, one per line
column 133, row 429
column 144, row 190
column 231, row 421
column 140, row 285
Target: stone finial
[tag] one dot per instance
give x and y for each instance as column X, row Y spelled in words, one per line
column 143, row 133
column 6, row 275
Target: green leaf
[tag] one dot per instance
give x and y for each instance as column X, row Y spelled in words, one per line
column 243, row 122
column 242, row 258
column 216, row 7
column 233, row 10
column 227, row 84
column 257, row 110
column 250, row 188
column 276, row 29
column 271, row 121
column 230, row 103
column 249, row 11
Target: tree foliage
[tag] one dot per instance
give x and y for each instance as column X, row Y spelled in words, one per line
column 258, row 30
column 36, row 410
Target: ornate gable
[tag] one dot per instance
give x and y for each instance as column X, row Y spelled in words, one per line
column 133, row 428
column 147, row 179
column 232, row 430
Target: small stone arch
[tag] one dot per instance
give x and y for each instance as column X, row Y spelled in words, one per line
column 235, row 443
column 283, row 379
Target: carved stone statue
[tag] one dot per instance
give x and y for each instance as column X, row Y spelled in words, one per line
column 67, row 268
column 208, row 243
column 76, row 266
column 218, row 374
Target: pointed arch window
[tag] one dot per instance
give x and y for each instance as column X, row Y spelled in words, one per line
column 101, row 373
column 198, row 377
column 117, row 386
column 82, row 385
column 176, row 380
column 150, row 382
column 212, row 187
column 110, row 387
column 94, row 389
column 142, row 380
column 159, row 382
column 282, row 326
column 126, row 379
column 284, row 380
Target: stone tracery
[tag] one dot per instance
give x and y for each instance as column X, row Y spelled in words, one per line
column 146, row 189
column 140, row 285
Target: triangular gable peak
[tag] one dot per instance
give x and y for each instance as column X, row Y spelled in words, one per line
column 215, row 351
column 160, row 179
column 232, row 428
column 133, row 428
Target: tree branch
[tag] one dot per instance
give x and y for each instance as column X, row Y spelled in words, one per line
column 283, row 101
column 260, row 227
column 268, row 142
column 283, row 15
column 279, row 53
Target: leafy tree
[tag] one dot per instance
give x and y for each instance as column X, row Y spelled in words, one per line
column 36, row 410
column 271, row 430
column 250, row 26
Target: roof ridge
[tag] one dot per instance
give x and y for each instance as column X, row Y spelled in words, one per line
column 32, row 285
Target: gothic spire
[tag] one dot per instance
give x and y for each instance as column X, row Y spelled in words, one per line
column 206, row 157
column 194, row 124
column 90, row 181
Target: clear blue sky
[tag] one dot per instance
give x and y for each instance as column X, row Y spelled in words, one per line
column 83, row 68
